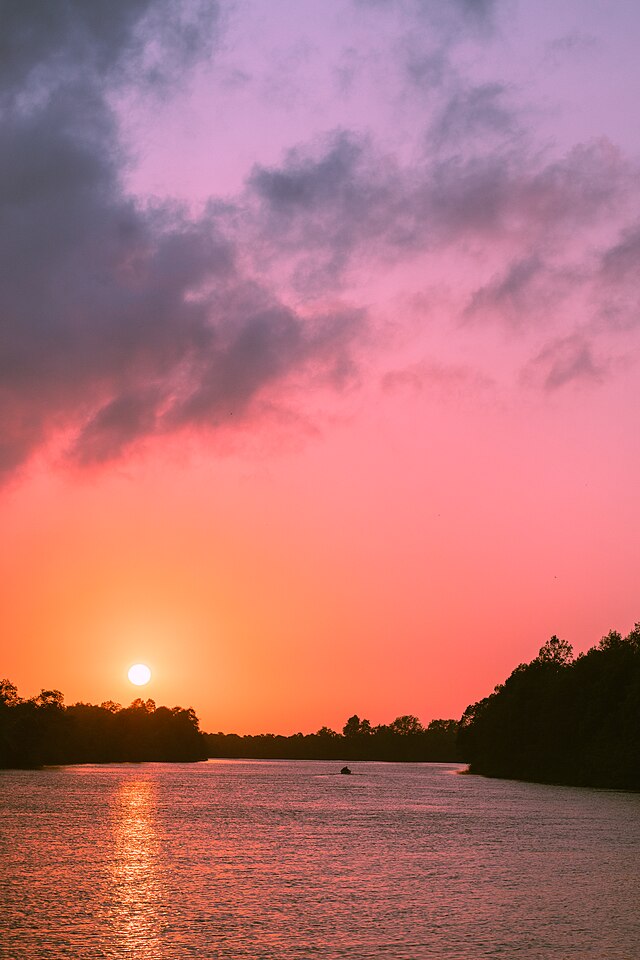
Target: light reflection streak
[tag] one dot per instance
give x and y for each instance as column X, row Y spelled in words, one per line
column 137, row 888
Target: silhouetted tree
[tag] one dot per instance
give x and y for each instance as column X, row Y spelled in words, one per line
column 406, row 726
column 556, row 651
column 8, row 693
column 404, row 739
column 43, row 731
column 562, row 720
column 352, row 727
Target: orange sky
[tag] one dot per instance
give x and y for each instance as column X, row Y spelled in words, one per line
column 319, row 360
column 400, row 562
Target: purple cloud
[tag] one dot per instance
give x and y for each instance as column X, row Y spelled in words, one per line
column 120, row 321
column 123, row 320
column 563, row 361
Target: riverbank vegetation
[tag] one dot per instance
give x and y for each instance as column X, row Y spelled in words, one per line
column 562, row 720
column 405, row 740
column 42, row 731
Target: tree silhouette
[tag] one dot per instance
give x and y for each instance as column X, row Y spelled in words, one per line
column 562, row 720
column 404, row 739
column 43, row 731
column 556, row 651
column 406, row 725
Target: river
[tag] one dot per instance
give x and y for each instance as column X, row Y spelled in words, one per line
column 284, row 860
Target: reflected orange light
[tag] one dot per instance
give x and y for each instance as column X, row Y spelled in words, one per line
column 137, row 885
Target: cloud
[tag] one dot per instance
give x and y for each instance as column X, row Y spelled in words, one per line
column 444, row 13
column 516, row 295
column 61, row 43
column 616, row 285
column 121, row 321
column 570, row 45
column 563, row 361
column 326, row 206
column 431, row 376
column 520, row 226
column 115, row 426
column 306, row 183
column 621, row 261
column 516, row 194
column 473, row 113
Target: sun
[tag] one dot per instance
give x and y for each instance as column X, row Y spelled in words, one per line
column 139, row 674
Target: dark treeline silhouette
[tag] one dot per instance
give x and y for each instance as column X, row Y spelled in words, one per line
column 43, row 731
column 563, row 720
column 405, row 740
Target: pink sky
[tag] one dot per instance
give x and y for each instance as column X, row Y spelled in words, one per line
column 319, row 385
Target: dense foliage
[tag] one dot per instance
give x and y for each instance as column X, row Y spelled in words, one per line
column 43, row 731
column 405, row 739
column 563, row 720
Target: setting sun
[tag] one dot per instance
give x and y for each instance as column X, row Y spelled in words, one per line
column 139, row 674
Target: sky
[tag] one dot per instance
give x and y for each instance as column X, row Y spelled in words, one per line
column 320, row 349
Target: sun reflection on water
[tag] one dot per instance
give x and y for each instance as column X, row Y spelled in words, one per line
column 137, row 890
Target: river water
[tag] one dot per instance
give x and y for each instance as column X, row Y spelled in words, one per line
column 284, row 860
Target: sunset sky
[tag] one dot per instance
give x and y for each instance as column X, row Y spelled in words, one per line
column 320, row 348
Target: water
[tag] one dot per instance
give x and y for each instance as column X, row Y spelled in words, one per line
column 287, row 860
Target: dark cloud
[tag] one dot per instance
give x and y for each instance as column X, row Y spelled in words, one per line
column 304, row 182
column 115, row 426
column 427, row 69
column 617, row 281
column 570, row 45
column 120, row 321
column 433, row 30
column 563, row 361
column 513, row 193
column 64, row 41
column 64, row 37
column 337, row 207
column 262, row 347
column 442, row 11
column 473, row 114
column 325, row 205
column 621, row 262
column 511, row 294
column 331, row 205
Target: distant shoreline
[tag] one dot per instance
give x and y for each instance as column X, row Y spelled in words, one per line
column 404, row 740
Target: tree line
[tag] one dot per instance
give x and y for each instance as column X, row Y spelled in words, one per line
column 405, row 739
column 560, row 719
column 557, row 719
column 43, row 731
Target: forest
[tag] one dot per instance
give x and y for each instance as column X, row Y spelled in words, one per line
column 561, row 719
column 43, row 731
column 405, row 740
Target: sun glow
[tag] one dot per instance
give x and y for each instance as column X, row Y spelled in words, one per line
column 139, row 674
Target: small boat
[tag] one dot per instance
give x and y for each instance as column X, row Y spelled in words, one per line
column 345, row 770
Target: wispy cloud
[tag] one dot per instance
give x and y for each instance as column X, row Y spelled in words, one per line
column 434, row 377
column 563, row 361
